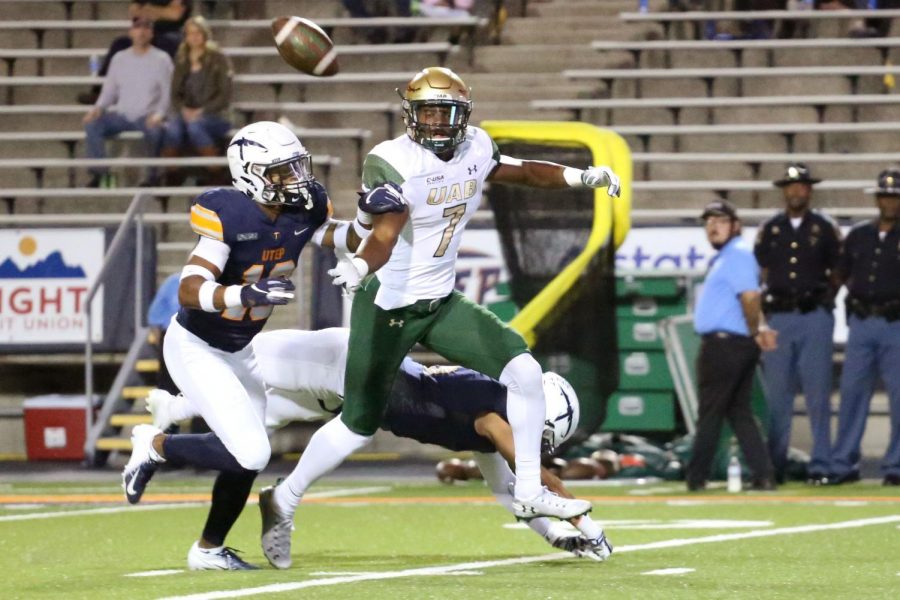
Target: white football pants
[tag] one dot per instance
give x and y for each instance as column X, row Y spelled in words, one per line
column 226, row 389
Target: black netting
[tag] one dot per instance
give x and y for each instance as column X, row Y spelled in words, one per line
column 541, row 232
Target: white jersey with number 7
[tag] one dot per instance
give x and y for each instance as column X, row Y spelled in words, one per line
column 442, row 197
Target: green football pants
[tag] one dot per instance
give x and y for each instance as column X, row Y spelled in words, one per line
column 455, row 327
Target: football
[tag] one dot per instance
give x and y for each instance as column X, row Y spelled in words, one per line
column 451, row 470
column 305, row 46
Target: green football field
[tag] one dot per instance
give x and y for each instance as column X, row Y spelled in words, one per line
column 385, row 539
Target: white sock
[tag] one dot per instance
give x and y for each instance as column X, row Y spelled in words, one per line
column 525, row 413
column 327, row 448
column 588, row 528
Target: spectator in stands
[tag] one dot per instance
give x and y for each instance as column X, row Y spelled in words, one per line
column 872, row 27
column 364, row 9
column 798, row 250
column 135, row 96
column 168, row 18
column 201, row 95
column 729, row 319
column 870, row 268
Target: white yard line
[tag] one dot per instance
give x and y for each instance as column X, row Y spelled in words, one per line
column 117, row 509
column 155, row 573
column 349, row 492
column 98, row 511
column 474, row 566
column 672, row 571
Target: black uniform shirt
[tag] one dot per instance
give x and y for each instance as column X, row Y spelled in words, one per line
column 797, row 261
column 869, row 265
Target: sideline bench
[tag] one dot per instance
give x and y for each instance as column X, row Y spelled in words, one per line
column 737, row 47
column 667, row 18
column 469, row 24
column 39, row 166
column 276, row 80
column 675, row 105
column 788, row 130
column 71, row 138
column 441, row 49
column 851, row 72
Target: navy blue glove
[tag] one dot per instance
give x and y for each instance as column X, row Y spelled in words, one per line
column 276, row 290
column 383, row 199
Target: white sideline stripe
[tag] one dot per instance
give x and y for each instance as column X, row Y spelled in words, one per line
column 142, row 507
column 473, row 566
column 672, row 571
column 99, row 511
column 350, row 492
column 155, row 573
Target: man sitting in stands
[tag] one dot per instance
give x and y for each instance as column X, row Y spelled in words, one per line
column 135, row 97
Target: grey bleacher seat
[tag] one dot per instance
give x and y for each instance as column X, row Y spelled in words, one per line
column 698, row 171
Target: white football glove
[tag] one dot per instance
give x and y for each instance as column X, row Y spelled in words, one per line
column 601, row 176
column 349, row 272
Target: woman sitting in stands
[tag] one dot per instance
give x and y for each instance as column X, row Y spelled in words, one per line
column 201, row 98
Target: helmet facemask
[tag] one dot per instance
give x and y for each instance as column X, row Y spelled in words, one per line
column 438, row 125
column 286, row 182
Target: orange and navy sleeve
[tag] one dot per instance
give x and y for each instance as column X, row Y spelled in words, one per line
column 206, row 222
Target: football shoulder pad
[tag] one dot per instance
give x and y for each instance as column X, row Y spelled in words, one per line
column 218, row 212
column 385, row 198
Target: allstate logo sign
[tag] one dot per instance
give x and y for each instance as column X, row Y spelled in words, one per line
column 45, row 275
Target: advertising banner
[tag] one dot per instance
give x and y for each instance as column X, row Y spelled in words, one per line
column 45, row 275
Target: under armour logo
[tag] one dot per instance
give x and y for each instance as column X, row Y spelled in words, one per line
column 395, row 323
column 473, row 169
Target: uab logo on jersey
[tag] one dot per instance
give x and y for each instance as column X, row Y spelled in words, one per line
column 452, row 193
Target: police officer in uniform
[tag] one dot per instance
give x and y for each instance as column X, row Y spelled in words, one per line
column 797, row 251
column 870, row 268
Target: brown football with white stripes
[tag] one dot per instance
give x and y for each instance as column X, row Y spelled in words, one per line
column 305, row 46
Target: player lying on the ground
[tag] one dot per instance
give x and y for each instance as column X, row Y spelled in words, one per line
column 453, row 407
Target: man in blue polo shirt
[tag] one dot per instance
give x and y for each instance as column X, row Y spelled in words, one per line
column 729, row 319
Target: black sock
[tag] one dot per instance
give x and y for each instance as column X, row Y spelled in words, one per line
column 205, row 451
column 229, row 496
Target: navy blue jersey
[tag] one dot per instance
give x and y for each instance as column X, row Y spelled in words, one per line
column 439, row 405
column 260, row 248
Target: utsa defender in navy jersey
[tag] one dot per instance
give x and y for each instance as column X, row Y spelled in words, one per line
column 453, row 407
column 250, row 240
column 260, row 248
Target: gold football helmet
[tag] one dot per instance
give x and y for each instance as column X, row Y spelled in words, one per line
column 436, row 108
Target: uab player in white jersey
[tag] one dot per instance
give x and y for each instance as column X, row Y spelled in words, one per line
column 422, row 189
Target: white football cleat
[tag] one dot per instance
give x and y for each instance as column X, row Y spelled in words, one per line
column 598, row 549
column 222, row 558
column 276, row 530
column 548, row 504
column 159, row 405
column 142, row 464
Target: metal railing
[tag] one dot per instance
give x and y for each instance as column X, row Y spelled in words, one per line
column 133, row 214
